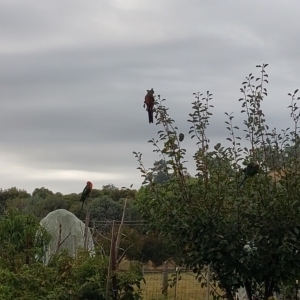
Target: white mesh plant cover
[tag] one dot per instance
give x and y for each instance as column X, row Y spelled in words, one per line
column 67, row 232
column 241, row 294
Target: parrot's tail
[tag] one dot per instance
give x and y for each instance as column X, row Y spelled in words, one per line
column 150, row 114
column 242, row 182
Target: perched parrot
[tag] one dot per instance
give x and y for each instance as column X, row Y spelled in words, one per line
column 250, row 171
column 86, row 192
column 149, row 101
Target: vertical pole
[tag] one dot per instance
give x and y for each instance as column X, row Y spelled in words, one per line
column 175, row 296
column 110, row 259
column 208, row 282
column 86, row 228
column 114, row 267
column 296, row 289
column 165, row 280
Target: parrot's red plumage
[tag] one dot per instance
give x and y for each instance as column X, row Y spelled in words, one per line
column 86, row 192
column 149, row 101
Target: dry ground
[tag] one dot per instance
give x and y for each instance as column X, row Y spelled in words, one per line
column 188, row 287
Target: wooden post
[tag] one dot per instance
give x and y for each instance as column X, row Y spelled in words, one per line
column 165, row 280
column 175, row 296
column 208, row 282
column 114, row 267
column 110, row 259
column 86, row 228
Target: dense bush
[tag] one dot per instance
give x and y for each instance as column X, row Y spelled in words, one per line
column 248, row 233
column 23, row 275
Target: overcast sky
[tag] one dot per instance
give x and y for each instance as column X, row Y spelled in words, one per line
column 73, row 76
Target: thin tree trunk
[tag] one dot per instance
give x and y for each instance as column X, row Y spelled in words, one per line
column 120, row 229
column 269, row 287
column 248, row 289
column 229, row 294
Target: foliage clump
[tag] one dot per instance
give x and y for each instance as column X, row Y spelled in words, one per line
column 248, row 234
column 24, row 276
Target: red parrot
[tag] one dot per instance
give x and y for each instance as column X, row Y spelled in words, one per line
column 86, row 192
column 149, row 101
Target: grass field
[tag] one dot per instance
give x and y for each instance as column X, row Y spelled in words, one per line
column 188, row 287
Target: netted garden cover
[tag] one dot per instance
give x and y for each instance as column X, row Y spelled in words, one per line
column 67, row 232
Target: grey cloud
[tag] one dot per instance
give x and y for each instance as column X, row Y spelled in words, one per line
column 73, row 77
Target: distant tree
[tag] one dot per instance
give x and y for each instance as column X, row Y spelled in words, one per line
column 130, row 245
column 155, row 250
column 72, row 203
column 10, row 194
column 42, row 192
column 71, row 197
column 115, row 193
column 96, row 194
column 134, row 212
column 26, row 205
column 52, row 202
column 105, row 208
column 109, row 187
column 160, row 171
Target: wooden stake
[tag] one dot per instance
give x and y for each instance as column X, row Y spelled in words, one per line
column 165, row 279
column 110, row 259
column 208, row 282
column 86, row 228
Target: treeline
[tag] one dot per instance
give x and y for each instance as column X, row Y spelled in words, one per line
column 105, row 205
